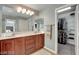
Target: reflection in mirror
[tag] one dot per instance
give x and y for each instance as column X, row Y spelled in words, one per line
column 19, row 18
column 39, row 24
column 9, row 25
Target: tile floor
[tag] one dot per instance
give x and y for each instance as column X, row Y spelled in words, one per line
column 42, row 52
column 67, row 49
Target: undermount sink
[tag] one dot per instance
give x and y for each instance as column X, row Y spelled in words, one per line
column 7, row 34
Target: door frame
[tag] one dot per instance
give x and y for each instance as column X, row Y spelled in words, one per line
column 76, row 28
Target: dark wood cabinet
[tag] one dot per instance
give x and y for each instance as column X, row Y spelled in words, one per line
column 19, row 46
column 22, row 45
column 7, row 47
column 30, row 44
column 0, row 47
column 39, row 41
column 3, row 47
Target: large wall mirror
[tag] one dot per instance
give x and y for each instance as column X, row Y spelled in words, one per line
column 18, row 18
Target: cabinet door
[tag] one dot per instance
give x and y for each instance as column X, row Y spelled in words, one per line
column 37, row 42
column 19, row 46
column 41, row 40
column 7, row 47
column 3, row 48
column 30, row 44
column 0, row 47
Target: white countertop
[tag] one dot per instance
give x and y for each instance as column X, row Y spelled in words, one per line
column 21, row 34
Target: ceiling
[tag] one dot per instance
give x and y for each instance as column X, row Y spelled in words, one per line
column 43, row 6
column 39, row 7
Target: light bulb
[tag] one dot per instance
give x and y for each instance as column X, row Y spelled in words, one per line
column 28, row 12
column 19, row 9
column 23, row 11
column 31, row 13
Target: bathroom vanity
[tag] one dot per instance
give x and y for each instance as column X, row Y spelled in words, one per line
column 20, row 34
column 21, row 44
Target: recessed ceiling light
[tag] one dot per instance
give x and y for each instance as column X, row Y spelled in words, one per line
column 23, row 11
column 64, row 9
column 19, row 9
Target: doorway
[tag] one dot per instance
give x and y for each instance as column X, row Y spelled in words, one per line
column 65, row 30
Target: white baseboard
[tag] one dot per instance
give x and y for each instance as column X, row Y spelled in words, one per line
column 50, row 50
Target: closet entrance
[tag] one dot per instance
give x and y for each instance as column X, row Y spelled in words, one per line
column 66, row 30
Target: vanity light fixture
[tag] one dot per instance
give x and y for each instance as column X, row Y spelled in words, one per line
column 19, row 9
column 23, row 10
column 64, row 9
